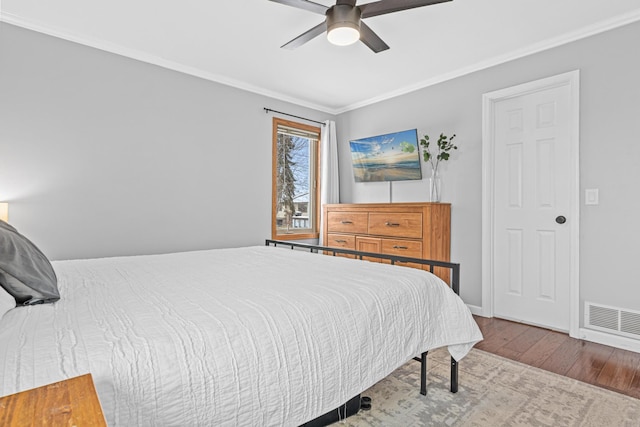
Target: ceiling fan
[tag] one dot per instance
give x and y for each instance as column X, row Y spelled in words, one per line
column 343, row 22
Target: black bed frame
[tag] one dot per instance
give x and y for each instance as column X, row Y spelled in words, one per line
column 455, row 286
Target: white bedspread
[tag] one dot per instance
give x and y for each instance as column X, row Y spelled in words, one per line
column 232, row 337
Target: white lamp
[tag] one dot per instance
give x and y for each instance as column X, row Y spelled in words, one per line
column 343, row 25
column 4, row 211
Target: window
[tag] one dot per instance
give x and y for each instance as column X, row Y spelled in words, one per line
column 295, row 210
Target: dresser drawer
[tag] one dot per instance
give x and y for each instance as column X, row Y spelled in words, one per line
column 396, row 224
column 341, row 241
column 408, row 248
column 347, row 222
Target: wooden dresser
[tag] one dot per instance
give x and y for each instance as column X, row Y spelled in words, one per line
column 416, row 230
column 72, row 402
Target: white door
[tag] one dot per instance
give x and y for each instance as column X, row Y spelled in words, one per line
column 533, row 210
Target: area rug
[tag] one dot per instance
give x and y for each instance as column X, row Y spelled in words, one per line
column 493, row 391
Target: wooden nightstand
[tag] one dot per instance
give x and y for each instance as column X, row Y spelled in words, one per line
column 72, row 402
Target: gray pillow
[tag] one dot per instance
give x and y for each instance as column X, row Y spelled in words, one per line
column 25, row 273
column 7, row 302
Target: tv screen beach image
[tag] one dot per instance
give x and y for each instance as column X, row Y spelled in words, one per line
column 390, row 157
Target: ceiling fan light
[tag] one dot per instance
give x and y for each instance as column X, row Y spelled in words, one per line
column 343, row 24
column 343, row 36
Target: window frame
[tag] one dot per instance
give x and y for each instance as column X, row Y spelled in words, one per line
column 315, row 233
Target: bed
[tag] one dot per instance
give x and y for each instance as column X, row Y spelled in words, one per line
column 231, row 337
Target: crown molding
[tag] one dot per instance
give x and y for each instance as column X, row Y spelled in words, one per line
column 566, row 38
column 156, row 60
column 588, row 31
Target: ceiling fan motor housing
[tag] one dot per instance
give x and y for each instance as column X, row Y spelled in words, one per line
column 343, row 15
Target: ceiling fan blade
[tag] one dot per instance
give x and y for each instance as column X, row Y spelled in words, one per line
column 388, row 6
column 306, row 36
column 371, row 39
column 347, row 2
column 306, row 5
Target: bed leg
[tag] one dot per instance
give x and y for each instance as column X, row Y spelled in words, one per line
column 423, row 373
column 454, row 376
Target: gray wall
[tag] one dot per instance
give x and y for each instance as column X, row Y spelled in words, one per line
column 609, row 156
column 102, row 155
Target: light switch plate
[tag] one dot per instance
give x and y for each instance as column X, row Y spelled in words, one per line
column 591, row 196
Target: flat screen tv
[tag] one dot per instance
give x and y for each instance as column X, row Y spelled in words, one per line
column 390, row 157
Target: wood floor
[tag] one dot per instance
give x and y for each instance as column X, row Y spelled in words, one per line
column 597, row 364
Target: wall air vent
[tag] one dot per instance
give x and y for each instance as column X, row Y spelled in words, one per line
column 615, row 320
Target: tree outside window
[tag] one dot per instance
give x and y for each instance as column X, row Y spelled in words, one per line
column 295, row 189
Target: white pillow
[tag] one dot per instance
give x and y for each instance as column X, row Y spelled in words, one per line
column 7, row 302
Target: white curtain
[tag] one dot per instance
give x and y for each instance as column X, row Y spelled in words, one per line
column 329, row 184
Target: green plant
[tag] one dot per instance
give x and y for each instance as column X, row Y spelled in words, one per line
column 445, row 145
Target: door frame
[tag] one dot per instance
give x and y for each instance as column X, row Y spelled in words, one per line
column 489, row 100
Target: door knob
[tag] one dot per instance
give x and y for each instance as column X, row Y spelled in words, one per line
column 560, row 219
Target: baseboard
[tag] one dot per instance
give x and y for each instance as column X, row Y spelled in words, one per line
column 475, row 310
column 587, row 335
column 610, row 340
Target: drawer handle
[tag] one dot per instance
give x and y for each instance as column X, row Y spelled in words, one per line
column 345, row 221
column 400, row 247
column 391, row 224
column 341, row 241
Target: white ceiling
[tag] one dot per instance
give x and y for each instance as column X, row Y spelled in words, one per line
column 237, row 42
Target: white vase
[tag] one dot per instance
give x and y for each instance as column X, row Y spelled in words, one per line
column 435, row 187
